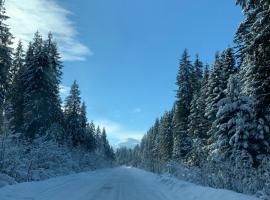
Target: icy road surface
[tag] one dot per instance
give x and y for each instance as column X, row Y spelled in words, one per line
column 121, row 183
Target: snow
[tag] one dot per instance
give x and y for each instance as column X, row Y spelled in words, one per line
column 129, row 143
column 122, row 183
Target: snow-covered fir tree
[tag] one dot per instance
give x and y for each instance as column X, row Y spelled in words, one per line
column 197, row 75
column 198, row 123
column 37, row 84
column 73, row 116
column 235, row 123
column 252, row 39
column 165, row 137
column 183, row 99
column 55, row 73
column 228, row 66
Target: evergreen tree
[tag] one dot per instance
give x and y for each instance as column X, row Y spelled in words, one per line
column 182, row 110
column 108, row 151
column 16, row 91
column 252, row 38
column 38, row 85
column 165, row 143
column 72, row 112
column 91, row 142
column 83, row 118
column 228, row 66
column 235, row 124
column 215, row 89
column 55, row 74
column 197, row 75
column 5, row 56
column 198, row 123
column 98, row 140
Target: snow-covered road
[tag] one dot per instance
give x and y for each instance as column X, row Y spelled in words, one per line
column 122, row 183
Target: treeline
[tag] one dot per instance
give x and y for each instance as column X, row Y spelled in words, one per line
column 30, row 102
column 220, row 121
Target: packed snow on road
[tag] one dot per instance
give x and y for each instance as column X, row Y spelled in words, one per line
column 122, row 183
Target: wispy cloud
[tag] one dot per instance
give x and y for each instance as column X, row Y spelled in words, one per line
column 137, row 110
column 117, row 132
column 28, row 16
column 64, row 91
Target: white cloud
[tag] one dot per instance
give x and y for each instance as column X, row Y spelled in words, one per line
column 29, row 16
column 117, row 132
column 64, row 91
column 137, row 110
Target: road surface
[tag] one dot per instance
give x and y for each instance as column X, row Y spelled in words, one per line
column 122, row 183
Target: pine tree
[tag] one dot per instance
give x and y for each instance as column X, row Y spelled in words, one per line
column 252, row 38
column 165, row 141
column 108, row 152
column 184, row 96
column 55, row 73
column 235, row 124
column 197, row 75
column 38, row 85
column 98, row 140
column 16, row 101
column 228, row 66
column 215, row 89
column 91, row 142
column 83, row 117
column 6, row 58
column 72, row 112
column 198, row 123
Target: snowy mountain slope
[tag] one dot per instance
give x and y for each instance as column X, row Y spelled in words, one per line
column 121, row 183
column 129, row 143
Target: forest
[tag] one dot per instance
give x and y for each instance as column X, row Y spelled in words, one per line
column 217, row 132
column 41, row 136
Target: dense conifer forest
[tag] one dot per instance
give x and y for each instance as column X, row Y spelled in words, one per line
column 218, row 128
column 40, row 135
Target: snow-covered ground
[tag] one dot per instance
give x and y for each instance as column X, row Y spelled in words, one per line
column 122, row 183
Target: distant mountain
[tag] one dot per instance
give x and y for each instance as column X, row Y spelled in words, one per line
column 128, row 143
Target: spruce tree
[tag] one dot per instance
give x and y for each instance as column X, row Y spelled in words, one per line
column 91, row 142
column 252, row 39
column 184, row 96
column 214, row 89
column 38, row 87
column 72, row 113
column 198, row 123
column 16, row 101
column 55, row 73
column 228, row 66
column 235, row 124
column 197, row 75
column 6, row 58
column 165, row 143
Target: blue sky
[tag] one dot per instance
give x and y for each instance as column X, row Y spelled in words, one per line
column 124, row 54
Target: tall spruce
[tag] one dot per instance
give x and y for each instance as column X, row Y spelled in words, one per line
column 215, row 89
column 5, row 57
column 55, row 74
column 228, row 66
column 72, row 113
column 252, row 39
column 38, row 89
column 16, row 102
column 166, row 137
column 197, row 75
column 235, row 124
column 198, row 123
column 183, row 99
